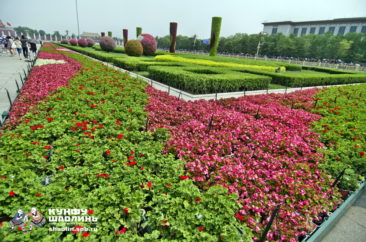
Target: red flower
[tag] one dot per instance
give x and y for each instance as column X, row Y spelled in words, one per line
column 77, row 229
column 238, row 216
column 49, row 119
column 92, row 106
column 168, row 185
column 149, row 185
column 20, row 228
column 125, row 210
column 3, row 177
column 123, row 230
column 85, row 234
column 1, row 224
column 361, row 153
column 108, row 152
column 164, row 221
column 201, row 228
column 35, row 143
column 141, row 168
column 45, row 156
column 77, row 150
column 356, row 146
column 61, row 167
column 73, row 128
column 130, row 110
column 90, row 212
column 120, row 136
column 47, row 147
column 79, row 124
column 12, row 194
column 131, row 158
column 198, row 199
column 131, row 163
column 184, row 177
column 39, row 194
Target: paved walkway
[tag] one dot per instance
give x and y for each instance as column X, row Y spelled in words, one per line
column 352, row 225
column 10, row 68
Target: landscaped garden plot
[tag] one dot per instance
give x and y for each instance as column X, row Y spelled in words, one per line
column 86, row 147
column 150, row 166
column 282, row 74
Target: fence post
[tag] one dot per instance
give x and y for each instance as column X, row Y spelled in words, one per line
column 273, row 216
column 18, row 90
column 7, row 92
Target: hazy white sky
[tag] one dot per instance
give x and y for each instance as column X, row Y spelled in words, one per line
column 193, row 16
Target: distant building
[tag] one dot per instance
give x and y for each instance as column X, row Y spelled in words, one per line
column 338, row 26
column 87, row 35
column 7, row 29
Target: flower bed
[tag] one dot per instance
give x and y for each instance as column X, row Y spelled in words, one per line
column 258, row 149
column 86, row 147
column 343, row 131
column 41, row 81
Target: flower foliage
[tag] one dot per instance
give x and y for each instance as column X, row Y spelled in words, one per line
column 68, row 151
column 258, row 149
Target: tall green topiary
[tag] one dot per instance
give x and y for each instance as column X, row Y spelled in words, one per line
column 215, row 35
column 173, row 36
column 102, row 34
column 125, row 36
column 138, row 31
column 110, row 34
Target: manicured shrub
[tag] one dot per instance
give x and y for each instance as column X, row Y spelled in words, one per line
column 204, row 79
column 64, row 41
column 149, row 44
column 90, row 42
column 102, row 34
column 82, row 42
column 138, row 31
column 125, row 36
column 107, row 44
column 215, row 35
column 173, row 36
column 110, row 34
column 134, row 48
column 73, row 42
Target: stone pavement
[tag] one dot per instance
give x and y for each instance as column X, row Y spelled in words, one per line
column 10, row 67
column 352, row 225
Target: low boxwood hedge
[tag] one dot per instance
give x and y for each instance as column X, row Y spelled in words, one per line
column 201, row 80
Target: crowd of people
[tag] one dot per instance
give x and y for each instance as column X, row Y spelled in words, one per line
column 16, row 46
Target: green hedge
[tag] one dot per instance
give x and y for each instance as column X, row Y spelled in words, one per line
column 300, row 79
column 327, row 70
column 201, row 80
column 289, row 67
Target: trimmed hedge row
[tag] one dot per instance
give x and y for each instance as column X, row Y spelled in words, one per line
column 306, row 80
column 202, row 80
column 291, row 79
column 289, row 67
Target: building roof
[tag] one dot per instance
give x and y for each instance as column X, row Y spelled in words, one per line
column 89, row 34
column 332, row 21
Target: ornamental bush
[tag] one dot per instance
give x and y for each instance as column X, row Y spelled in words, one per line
column 149, row 44
column 107, row 44
column 82, row 42
column 134, row 48
column 90, row 42
column 73, row 42
column 64, row 41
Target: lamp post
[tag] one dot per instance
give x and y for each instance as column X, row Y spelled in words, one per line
column 261, row 34
column 77, row 17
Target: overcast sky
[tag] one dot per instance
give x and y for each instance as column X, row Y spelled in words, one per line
column 193, row 16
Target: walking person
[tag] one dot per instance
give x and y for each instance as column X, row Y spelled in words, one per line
column 19, row 47
column 11, row 46
column 33, row 48
column 24, row 46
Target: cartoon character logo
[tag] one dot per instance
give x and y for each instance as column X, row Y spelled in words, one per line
column 18, row 220
column 21, row 218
